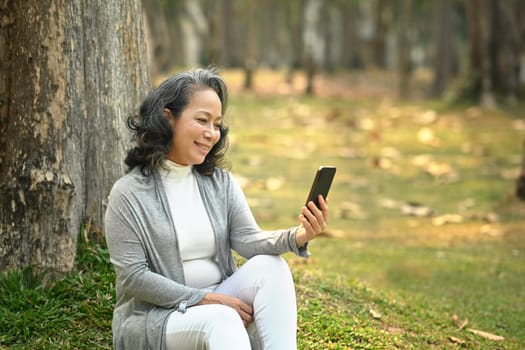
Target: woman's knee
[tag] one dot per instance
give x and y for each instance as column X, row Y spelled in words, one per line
column 272, row 265
column 225, row 315
column 227, row 328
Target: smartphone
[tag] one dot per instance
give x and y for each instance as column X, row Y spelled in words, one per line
column 321, row 185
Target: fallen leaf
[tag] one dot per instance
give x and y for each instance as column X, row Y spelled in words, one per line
column 395, row 330
column 463, row 324
column 427, row 137
column 382, row 163
column 456, row 340
column 427, row 117
column 416, row 209
column 388, row 203
column 486, row 335
column 351, row 210
column 447, row 219
column 366, row 124
column 375, row 314
column 490, row 230
column 390, row 152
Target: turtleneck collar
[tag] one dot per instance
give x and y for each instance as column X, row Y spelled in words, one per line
column 173, row 171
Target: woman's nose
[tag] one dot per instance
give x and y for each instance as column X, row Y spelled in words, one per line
column 211, row 132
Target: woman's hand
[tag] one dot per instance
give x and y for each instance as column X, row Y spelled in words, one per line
column 244, row 310
column 313, row 221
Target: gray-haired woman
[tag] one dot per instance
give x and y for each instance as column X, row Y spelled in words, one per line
column 172, row 222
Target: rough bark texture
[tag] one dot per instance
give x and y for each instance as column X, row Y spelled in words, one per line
column 70, row 73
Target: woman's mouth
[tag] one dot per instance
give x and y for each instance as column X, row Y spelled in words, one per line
column 203, row 148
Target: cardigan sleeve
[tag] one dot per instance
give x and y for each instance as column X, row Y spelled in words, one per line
column 133, row 255
column 248, row 239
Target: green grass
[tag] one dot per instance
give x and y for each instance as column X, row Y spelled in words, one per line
column 380, row 279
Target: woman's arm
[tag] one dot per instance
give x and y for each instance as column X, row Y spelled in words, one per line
column 133, row 262
column 248, row 239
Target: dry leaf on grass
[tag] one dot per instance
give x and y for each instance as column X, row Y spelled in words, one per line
column 425, row 118
column 388, row 203
column 463, row 324
column 447, row 219
column 416, row 209
column 486, row 335
column 456, row 340
column 395, row 330
column 426, row 136
column 460, row 325
column 350, row 211
column 376, row 315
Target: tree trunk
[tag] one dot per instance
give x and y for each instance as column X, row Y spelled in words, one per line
column 351, row 44
column 495, row 57
column 313, row 42
column 443, row 54
column 71, row 72
column 379, row 41
column 251, row 53
column 195, row 30
column 294, row 25
column 404, row 62
column 163, row 34
column 520, row 186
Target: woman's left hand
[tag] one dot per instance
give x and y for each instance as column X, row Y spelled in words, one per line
column 313, row 221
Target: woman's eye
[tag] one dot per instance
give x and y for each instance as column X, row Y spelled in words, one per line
column 202, row 120
column 218, row 126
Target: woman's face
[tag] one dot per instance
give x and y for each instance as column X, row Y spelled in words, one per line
column 196, row 131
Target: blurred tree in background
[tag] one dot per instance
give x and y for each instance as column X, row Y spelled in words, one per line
column 478, row 43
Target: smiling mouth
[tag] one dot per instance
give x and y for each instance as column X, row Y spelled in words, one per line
column 202, row 147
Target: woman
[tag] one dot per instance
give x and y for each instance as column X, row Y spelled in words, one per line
column 172, row 222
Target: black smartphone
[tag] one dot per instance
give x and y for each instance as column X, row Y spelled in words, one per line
column 321, row 185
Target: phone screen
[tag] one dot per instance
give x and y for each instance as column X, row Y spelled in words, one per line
column 321, row 185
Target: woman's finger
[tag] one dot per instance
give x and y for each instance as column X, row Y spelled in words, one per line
column 316, row 217
column 312, row 219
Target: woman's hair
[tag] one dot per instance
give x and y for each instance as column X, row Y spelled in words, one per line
column 152, row 131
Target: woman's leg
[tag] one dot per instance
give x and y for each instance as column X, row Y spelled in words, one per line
column 211, row 327
column 266, row 283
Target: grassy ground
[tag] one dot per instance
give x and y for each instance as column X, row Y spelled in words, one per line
column 426, row 240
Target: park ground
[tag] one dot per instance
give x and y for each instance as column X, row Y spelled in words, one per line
column 426, row 243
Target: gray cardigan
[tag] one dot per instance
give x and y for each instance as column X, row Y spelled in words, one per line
column 144, row 250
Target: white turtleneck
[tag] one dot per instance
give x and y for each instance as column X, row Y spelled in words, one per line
column 194, row 231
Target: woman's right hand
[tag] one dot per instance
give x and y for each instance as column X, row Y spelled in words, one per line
column 244, row 310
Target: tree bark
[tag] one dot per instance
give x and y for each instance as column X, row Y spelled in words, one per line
column 351, row 45
column 163, row 35
column 520, row 185
column 71, row 72
column 443, row 55
column 294, row 20
column 404, row 63
column 380, row 31
column 495, row 57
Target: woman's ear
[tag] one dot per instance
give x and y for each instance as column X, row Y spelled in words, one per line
column 167, row 113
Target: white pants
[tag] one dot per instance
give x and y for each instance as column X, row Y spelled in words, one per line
column 265, row 282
